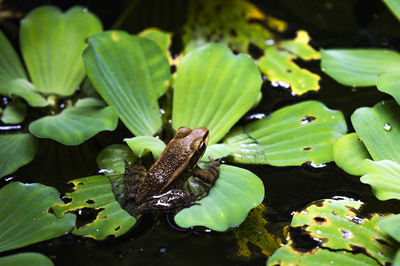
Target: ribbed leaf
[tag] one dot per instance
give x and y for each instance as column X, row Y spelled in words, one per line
column 394, row 6
column 349, row 152
column 142, row 144
column 16, row 150
column 288, row 256
column 292, row 135
column 129, row 72
column 234, row 194
column 391, row 226
column 26, row 90
column 384, row 178
column 10, row 65
column 25, row 216
column 389, row 83
column 359, row 67
column 161, row 38
column 379, row 130
column 214, row 89
column 52, row 43
column 335, row 227
column 76, row 124
column 26, row 259
column 14, row 112
column 95, row 192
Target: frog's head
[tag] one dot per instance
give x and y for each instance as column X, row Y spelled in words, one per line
column 197, row 140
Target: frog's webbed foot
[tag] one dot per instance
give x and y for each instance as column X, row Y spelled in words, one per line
column 132, row 176
column 209, row 174
column 171, row 201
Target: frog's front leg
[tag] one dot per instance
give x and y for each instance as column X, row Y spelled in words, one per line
column 172, row 200
column 209, row 174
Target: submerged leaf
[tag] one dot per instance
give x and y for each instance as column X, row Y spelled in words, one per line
column 26, row 259
column 14, row 112
column 277, row 64
column 237, row 25
column 95, row 192
column 359, row 67
column 52, row 43
column 379, row 130
column 214, row 89
column 292, row 135
column 235, row 193
column 113, row 158
column 129, row 72
column 384, row 178
column 76, row 124
column 349, row 152
column 16, row 150
column 25, row 216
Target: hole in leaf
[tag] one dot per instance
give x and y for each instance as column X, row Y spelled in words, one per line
column 307, row 119
column 117, row 228
column 86, row 216
column 382, row 242
column 288, row 70
column 66, row 199
column 319, row 219
column 302, row 241
column 307, row 148
column 357, row 249
column 90, row 201
column 255, row 51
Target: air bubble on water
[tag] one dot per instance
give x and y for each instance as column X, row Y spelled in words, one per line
column 269, row 42
column 387, row 127
column 274, row 83
column 85, row 9
column 162, row 111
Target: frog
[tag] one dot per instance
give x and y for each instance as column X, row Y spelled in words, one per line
column 160, row 188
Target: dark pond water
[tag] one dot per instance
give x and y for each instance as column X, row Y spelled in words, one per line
column 154, row 241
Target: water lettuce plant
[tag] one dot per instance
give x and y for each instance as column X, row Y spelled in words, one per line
column 373, row 147
column 51, row 45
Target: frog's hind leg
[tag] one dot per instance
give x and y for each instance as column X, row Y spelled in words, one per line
column 171, row 201
column 209, row 174
column 132, row 177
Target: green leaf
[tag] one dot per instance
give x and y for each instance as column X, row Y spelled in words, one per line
column 396, row 261
column 379, row 130
column 95, row 192
column 394, row 6
column 288, row 256
column 161, row 38
column 52, row 43
column 14, row 112
column 391, row 226
column 335, row 224
column 235, row 193
column 113, row 158
column 277, row 64
column 216, row 151
column 384, row 178
column 26, row 218
column 129, row 72
column 244, row 149
column 26, row 259
column 143, row 144
column 349, row 152
column 214, row 89
column 359, row 67
column 340, row 236
column 26, row 90
column 389, row 83
column 292, row 135
column 10, row 65
column 76, row 124
column 16, row 150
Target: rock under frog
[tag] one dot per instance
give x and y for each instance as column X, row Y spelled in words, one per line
column 160, row 188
